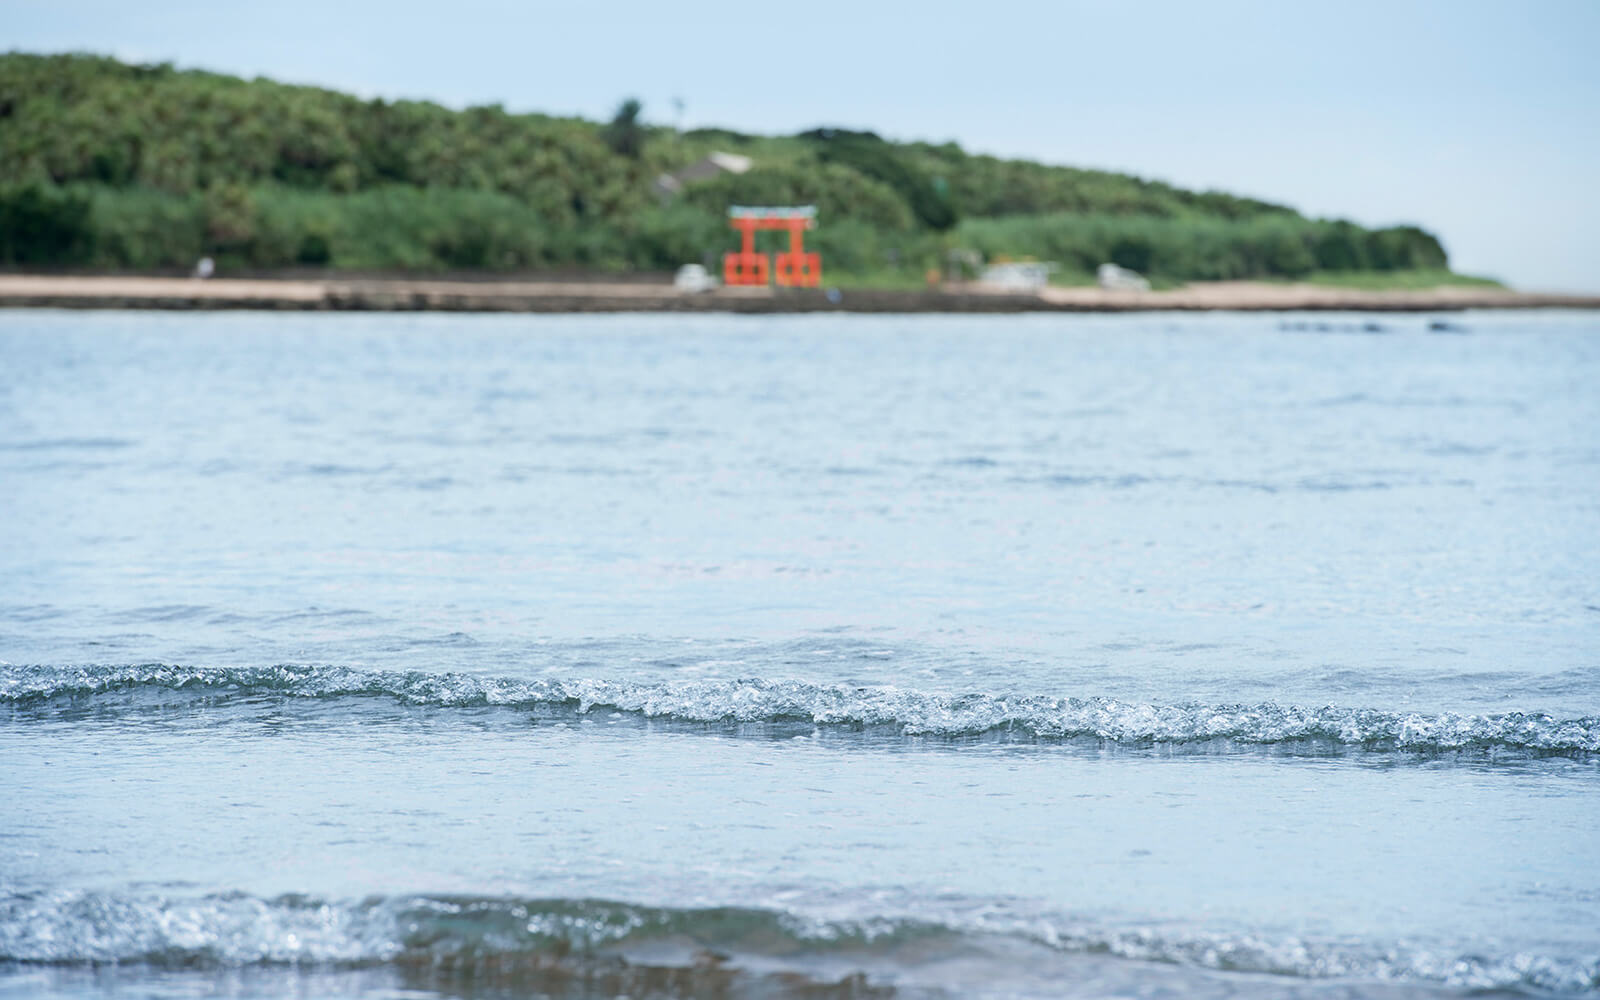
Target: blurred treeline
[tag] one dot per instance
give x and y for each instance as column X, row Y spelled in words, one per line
column 108, row 165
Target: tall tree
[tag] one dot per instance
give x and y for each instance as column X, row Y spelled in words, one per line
column 624, row 134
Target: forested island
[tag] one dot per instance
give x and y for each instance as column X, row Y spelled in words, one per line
column 142, row 168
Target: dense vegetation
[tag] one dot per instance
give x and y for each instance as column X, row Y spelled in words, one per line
column 109, row 165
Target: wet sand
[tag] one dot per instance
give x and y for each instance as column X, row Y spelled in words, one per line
column 406, row 294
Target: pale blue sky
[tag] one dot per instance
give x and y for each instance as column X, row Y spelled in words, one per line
column 1477, row 119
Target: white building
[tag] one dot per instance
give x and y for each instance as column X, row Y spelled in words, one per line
column 710, row 166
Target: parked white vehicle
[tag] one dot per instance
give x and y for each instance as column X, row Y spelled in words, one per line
column 693, row 278
column 1017, row 276
column 1121, row 279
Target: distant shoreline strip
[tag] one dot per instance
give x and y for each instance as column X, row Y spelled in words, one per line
column 424, row 295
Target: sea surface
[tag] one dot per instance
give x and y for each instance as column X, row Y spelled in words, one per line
column 826, row 656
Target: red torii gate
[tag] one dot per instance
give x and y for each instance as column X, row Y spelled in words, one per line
column 797, row 267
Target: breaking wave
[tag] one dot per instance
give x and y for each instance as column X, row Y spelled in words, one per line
column 234, row 929
column 908, row 712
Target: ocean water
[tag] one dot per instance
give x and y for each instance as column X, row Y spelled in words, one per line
column 594, row 656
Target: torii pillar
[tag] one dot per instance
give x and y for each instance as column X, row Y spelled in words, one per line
column 796, row 268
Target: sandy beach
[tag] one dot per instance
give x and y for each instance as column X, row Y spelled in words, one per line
column 407, row 294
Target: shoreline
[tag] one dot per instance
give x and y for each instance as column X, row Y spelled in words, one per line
column 455, row 295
